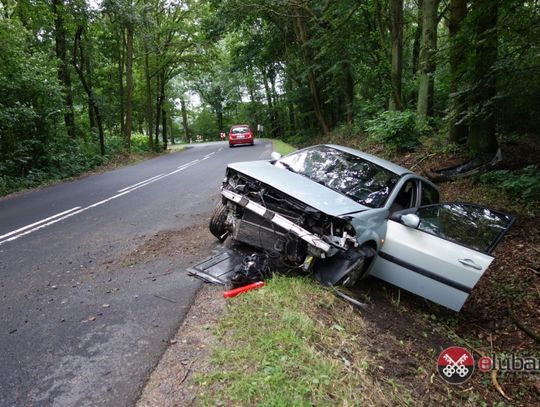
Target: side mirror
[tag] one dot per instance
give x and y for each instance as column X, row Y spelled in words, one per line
column 275, row 155
column 411, row 220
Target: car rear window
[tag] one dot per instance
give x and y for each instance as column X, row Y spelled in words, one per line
column 359, row 179
column 239, row 130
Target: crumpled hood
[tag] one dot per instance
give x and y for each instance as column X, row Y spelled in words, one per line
column 299, row 187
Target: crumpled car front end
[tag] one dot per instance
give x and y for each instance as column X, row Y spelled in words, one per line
column 264, row 217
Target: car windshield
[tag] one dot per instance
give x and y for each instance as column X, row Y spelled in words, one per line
column 239, row 130
column 361, row 180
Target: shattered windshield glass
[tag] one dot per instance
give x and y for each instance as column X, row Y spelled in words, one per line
column 355, row 177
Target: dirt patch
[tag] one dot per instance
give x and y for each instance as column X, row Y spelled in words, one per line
column 173, row 381
column 188, row 243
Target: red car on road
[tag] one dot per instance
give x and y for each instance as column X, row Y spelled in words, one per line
column 240, row 134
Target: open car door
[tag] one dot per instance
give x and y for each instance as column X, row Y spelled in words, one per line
column 440, row 251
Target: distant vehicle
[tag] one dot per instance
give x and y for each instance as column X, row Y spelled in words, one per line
column 349, row 214
column 240, row 134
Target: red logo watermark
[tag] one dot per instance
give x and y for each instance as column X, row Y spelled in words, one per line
column 455, row 365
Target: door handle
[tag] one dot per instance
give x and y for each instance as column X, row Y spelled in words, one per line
column 470, row 263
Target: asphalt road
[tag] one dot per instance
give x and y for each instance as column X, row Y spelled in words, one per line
column 73, row 331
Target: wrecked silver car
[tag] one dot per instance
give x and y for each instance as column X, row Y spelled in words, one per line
column 345, row 214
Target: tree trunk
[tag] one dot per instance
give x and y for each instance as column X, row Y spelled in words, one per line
column 348, row 91
column 184, row 120
column 427, row 58
column 164, row 129
column 160, row 97
column 219, row 118
column 396, row 9
column 269, row 101
column 88, row 66
column 417, row 36
column 63, row 70
column 302, row 36
column 457, row 104
column 482, row 138
column 149, row 112
column 129, row 86
column 170, row 124
column 94, row 108
column 121, row 57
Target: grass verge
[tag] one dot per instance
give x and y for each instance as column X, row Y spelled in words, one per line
column 282, row 147
column 293, row 343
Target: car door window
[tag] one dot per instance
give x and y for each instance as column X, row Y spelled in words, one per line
column 406, row 198
column 469, row 225
column 429, row 195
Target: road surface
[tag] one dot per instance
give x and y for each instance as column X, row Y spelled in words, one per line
column 82, row 324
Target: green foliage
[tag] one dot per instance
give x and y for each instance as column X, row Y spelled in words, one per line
column 30, row 105
column 524, row 184
column 63, row 159
column 140, row 144
column 398, row 131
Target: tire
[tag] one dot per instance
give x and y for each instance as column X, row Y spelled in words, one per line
column 231, row 146
column 217, row 224
column 360, row 270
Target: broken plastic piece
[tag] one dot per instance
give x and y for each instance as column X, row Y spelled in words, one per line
column 240, row 290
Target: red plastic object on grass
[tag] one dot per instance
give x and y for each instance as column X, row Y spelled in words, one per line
column 240, row 290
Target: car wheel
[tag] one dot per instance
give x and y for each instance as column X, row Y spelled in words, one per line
column 231, row 146
column 359, row 271
column 218, row 220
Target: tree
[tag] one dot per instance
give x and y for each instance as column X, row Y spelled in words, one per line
column 482, row 138
column 457, row 104
column 428, row 51
column 79, row 57
column 396, row 10
column 63, row 69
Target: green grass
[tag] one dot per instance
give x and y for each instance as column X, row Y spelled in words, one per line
column 282, row 147
column 291, row 343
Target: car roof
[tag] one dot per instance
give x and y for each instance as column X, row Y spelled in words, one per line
column 240, row 125
column 390, row 166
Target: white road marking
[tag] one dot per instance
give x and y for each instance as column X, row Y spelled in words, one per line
column 14, row 232
column 138, row 183
column 189, row 164
column 44, row 225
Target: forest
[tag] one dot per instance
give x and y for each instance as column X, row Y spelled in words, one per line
column 83, row 82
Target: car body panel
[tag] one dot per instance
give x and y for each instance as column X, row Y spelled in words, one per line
column 428, row 265
column 440, row 268
column 299, row 187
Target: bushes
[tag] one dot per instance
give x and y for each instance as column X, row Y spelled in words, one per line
column 524, row 184
column 398, row 131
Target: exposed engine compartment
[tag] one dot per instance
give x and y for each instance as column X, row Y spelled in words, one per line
column 284, row 225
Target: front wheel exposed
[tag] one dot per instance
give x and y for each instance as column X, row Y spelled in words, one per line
column 218, row 220
column 345, row 268
column 360, row 269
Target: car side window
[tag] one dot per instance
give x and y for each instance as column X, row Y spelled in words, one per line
column 429, row 196
column 406, row 198
column 472, row 226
